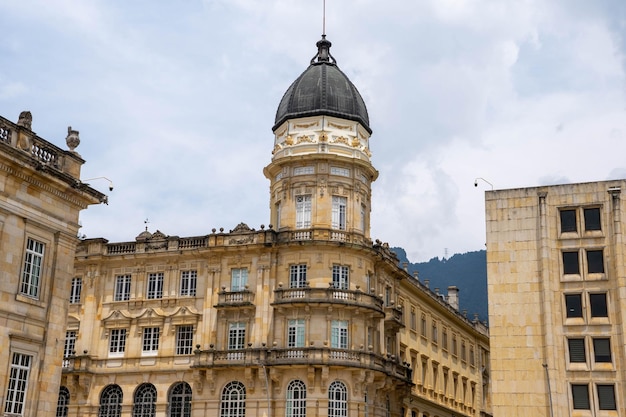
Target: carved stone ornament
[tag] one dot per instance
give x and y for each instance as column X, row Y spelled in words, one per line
column 25, row 120
column 241, row 228
column 72, row 139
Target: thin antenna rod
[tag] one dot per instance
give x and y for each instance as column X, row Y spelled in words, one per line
column 323, row 17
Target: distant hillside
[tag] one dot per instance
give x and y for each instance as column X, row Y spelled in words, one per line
column 467, row 271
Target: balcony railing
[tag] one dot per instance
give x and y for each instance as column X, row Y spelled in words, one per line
column 302, row 355
column 327, row 295
column 394, row 316
column 235, row 298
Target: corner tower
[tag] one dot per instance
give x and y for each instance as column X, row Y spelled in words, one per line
column 321, row 173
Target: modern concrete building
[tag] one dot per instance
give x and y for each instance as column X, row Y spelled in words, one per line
column 557, row 300
column 41, row 196
column 304, row 317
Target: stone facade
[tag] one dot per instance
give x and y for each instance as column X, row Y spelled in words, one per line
column 40, row 200
column 556, row 279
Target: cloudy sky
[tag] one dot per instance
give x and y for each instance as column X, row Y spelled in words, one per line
column 175, row 102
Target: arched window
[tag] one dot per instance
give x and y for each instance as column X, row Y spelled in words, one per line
column 296, row 399
column 180, row 400
column 233, row 400
column 62, row 403
column 144, row 401
column 111, row 401
column 337, row 400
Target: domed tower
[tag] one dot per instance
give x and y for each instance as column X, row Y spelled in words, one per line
column 321, row 174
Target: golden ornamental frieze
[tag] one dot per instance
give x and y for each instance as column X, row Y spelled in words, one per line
column 342, row 139
column 340, row 127
column 305, row 125
column 304, row 139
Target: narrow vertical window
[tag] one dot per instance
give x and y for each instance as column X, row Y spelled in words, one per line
column 237, row 336
column 568, row 221
column 573, row 305
column 592, row 218
column 295, row 333
column 340, row 277
column 155, row 285
column 577, row 350
column 17, row 384
column 598, row 305
column 339, row 212
column 337, row 399
column 295, row 405
column 238, row 279
column 297, row 276
column 303, row 211
column 606, row 397
column 63, row 402
column 76, row 289
column 362, row 222
column 602, row 350
column 188, row 280
column 184, row 340
column 595, row 261
column 31, row 274
column 570, row 263
column 580, row 397
column 278, row 215
column 122, row 288
column 339, row 334
column 69, row 347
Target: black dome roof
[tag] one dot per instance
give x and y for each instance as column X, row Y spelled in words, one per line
column 322, row 89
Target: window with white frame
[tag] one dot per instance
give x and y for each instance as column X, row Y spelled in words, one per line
column 69, row 347
column 339, row 210
column 117, row 342
column 337, row 399
column 237, row 335
column 339, row 334
column 344, row 172
column 75, row 290
column 180, row 397
column 297, row 276
column 33, row 263
column 184, row 340
column 144, row 401
column 238, row 279
column 303, row 170
column 188, row 281
column 17, row 385
column 155, row 285
column 233, row 401
column 295, row 333
column 122, row 288
column 295, row 405
column 341, row 276
column 62, row 402
column 111, row 401
column 303, row 211
column 150, row 340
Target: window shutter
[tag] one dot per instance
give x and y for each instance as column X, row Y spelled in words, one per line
column 606, row 397
column 576, row 350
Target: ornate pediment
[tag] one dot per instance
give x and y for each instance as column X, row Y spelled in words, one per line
column 241, row 228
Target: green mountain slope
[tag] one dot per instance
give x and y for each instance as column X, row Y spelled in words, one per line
column 466, row 271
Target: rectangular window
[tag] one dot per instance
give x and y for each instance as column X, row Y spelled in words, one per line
column 577, row 350
column 444, row 339
column 344, row 172
column 340, row 277
column 573, row 305
column 423, row 326
column 435, row 333
column 580, row 396
column 188, row 280
column 592, row 218
column 69, row 347
column 117, row 342
column 340, row 205
column 17, row 384
column 277, row 215
column 238, row 279
column 33, row 262
column 472, row 360
column 598, row 305
column 297, row 276
column 454, row 346
column 602, row 350
column 150, row 340
column 339, row 334
column 413, row 319
column 568, row 221
column 463, row 353
column 155, row 285
column 75, row 290
column 122, row 288
column 295, row 333
column 237, row 336
column 595, row 261
column 303, row 211
column 362, row 222
column 184, row 340
column 570, row 263
column 303, row 170
column 606, row 397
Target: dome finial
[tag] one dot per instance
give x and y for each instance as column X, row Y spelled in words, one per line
column 323, row 52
